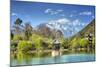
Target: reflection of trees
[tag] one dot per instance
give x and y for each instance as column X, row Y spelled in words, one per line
column 27, row 58
column 57, row 59
column 21, row 57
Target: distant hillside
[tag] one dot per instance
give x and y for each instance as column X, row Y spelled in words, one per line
column 90, row 28
column 45, row 31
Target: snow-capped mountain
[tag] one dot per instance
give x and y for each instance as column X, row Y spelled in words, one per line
column 64, row 26
column 67, row 27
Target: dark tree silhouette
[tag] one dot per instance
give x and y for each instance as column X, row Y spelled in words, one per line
column 18, row 21
column 17, row 25
column 12, row 35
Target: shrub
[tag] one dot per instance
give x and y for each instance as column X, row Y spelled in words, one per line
column 65, row 43
column 37, row 40
column 84, row 42
column 13, row 46
column 41, row 42
column 17, row 37
column 25, row 46
column 75, row 43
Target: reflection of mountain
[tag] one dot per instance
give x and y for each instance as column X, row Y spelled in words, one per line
column 90, row 28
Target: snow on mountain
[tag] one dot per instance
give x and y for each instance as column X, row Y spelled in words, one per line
column 66, row 26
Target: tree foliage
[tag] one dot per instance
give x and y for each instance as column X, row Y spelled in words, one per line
column 84, row 42
column 25, row 46
column 17, row 37
column 65, row 43
column 29, row 39
column 75, row 43
column 18, row 21
column 37, row 40
column 28, row 30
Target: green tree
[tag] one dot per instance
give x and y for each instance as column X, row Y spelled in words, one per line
column 47, row 43
column 17, row 37
column 84, row 42
column 18, row 21
column 65, row 43
column 25, row 46
column 37, row 40
column 75, row 43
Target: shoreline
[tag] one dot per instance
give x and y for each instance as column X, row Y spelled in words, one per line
column 61, row 50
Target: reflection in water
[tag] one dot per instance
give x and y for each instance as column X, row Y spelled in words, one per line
column 46, row 57
column 56, row 53
column 57, row 59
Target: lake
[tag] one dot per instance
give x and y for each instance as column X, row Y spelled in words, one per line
column 46, row 58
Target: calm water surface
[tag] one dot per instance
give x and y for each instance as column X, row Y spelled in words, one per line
column 46, row 58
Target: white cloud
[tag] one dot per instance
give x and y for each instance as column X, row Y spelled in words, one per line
column 63, row 20
column 47, row 10
column 52, row 12
column 85, row 13
column 14, row 14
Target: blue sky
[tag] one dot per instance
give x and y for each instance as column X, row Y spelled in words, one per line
column 37, row 12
